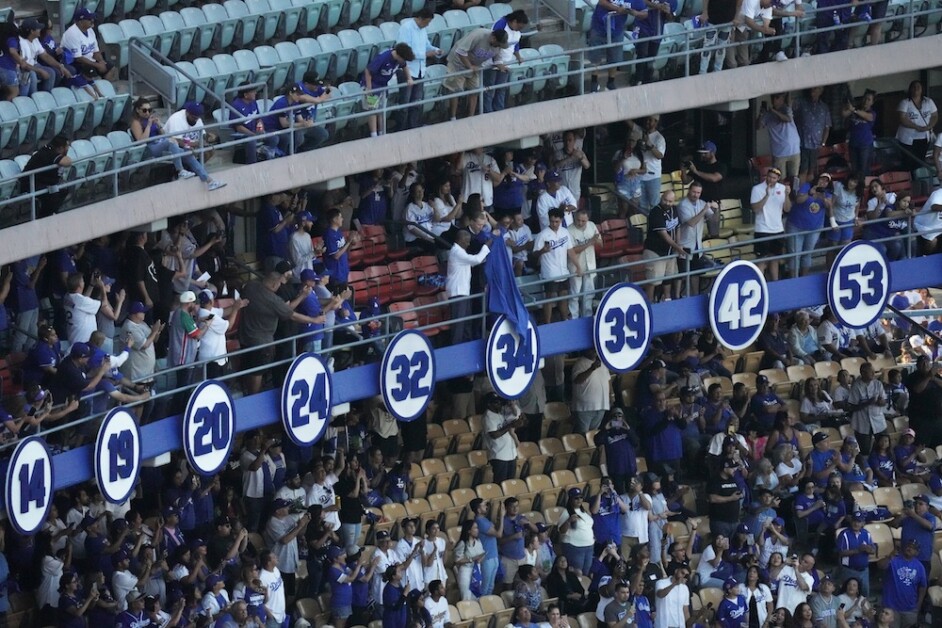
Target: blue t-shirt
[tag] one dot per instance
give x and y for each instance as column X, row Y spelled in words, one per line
column 317, row 92
column 512, row 549
column 394, row 610
column 374, row 207
column 849, row 540
column 819, row 462
column 808, row 214
column 803, row 503
column 884, row 464
column 600, row 20
column 901, row 583
column 607, row 521
column 664, row 437
column 361, row 589
column 730, row 613
column 269, row 243
column 381, row 69
column 861, row 131
column 910, row 529
column 512, row 191
column 26, row 298
column 338, row 268
column 642, row 611
column 653, row 24
column 127, row 619
column 760, row 404
column 311, row 306
column 272, row 120
column 619, row 452
column 341, row 593
column 488, row 542
column 246, row 108
column 7, row 62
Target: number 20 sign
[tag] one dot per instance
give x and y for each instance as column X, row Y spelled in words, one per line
column 118, row 455
column 859, row 284
column 739, row 305
column 511, row 365
column 209, row 427
column 407, row 375
column 29, row 485
column 306, row 398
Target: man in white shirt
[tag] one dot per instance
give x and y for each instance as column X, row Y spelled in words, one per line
column 553, row 247
column 500, row 438
column 769, row 201
column 300, row 246
column 272, row 581
column 253, row 478
column 477, row 171
column 867, row 405
column 458, row 283
column 653, row 146
column 570, row 161
column 591, row 391
column 414, row 32
column 437, row 605
column 185, row 127
column 384, row 556
column 672, row 600
column 80, row 40
column 755, row 16
column 556, row 195
column 795, row 582
column 585, row 237
column 213, row 341
column 122, row 581
column 80, row 308
column 693, row 214
column 322, row 494
column 43, row 67
column 928, row 223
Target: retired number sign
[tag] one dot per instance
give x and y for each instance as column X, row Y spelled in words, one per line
column 118, row 455
column 622, row 327
column 859, row 284
column 739, row 305
column 511, row 364
column 407, row 375
column 209, row 427
column 29, row 485
column 306, row 399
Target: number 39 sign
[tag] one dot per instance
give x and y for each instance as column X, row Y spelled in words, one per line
column 407, row 376
column 209, row 427
column 858, row 284
column 29, row 485
column 622, row 327
column 739, row 305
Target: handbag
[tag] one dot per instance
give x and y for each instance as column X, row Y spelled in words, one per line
column 477, row 580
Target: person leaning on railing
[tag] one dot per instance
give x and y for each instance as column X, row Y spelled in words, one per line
column 55, row 153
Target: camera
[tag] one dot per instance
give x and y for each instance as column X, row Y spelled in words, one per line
column 908, row 503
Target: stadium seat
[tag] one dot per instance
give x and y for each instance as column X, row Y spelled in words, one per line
column 81, row 111
column 59, row 115
column 163, row 39
column 459, row 21
column 827, row 370
column 330, row 43
column 882, row 538
column 403, row 279
column 269, row 20
column 226, row 26
column 248, row 23
column 33, row 121
column 80, row 152
column 798, row 373
column 440, row 33
column 186, row 34
column 330, row 14
column 404, row 309
column 889, row 497
column 390, row 31
column 499, row 10
column 489, row 491
column 248, row 62
column 852, row 365
column 309, row 15
column 268, row 57
column 204, row 31
column 480, row 17
column 114, row 43
column 116, row 106
column 9, row 171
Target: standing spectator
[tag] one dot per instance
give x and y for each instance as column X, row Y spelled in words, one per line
column 490, row 531
column 414, row 33
column 585, row 237
column 860, row 120
column 556, row 195
column 769, row 200
column 917, row 118
column 553, row 248
column 140, row 277
column 620, row 444
column 479, row 175
column 186, row 129
column 733, row 607
column 831, row 13
column 855, row 546
column 717, row 19
column 281, row 535
column 806, row 219
column 845, row 205
column 185, row 333
column 375, row 79
column 925, row 401
column 300, row 245
column 724, row 496
column 661, row 248
column 271, row 580
column 867, row 404
column 312, row 307
column 606, row 35
column 824, row 604
column 80, row 308
column 710, row 173
column 650, row 27
column 500, row 438
column 918, row 524
column 663, row 428
column 350, row 487
column 813, row 117
column 754, row 19
column 570, row 161
column 55, row 153
column 693, row 213
column 495, row 97
column 458, row 284
column 247, row 106
column 337, row 246
column 577, row 532
column 591, row 391
column 618, row 612
column 465, row 61
column 142, row 359
column 26, row 275
column 784, row 141
column 928, row 223
column 80, row 40
column 904, row 583
column 795, row 582
column 653, row 148
column 419, row 216
column 672, row 599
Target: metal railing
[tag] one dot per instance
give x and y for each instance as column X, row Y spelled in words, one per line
column 287, row 349
column 535, row 71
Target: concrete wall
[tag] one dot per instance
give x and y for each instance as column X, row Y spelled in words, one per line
column 245, row 182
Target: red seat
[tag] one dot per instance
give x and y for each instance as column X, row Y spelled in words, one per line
column 379, row 283
column 358, row 251
column 357, row 282
column 376, row 242
column 403, row 279
column 826, row 153
column 430, row 317
column 635, row 272
column 614, row 239
column 10, row 376
column 405, row 310
column 377, row 234
column 425, row 265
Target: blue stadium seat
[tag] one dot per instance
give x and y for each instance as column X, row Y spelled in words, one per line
column 280, row 70
column 186, row 34
column 80, row 152
column 374, row 35
column 226, row 26
column 268, row 19
column 322, row 62
column 441, row 34
column 114, row 43
column 330, row 14
column 96, row 108
column 127, row 154
column 288, row 52
column 9, row 171
column 540, row 68
column 229, row 74
column 205, row 30
column 499, row 10
column 352, row 10
column 361, row 52
column 341, row 58
column 310, row 14
column 134, row 28
column 117, row 105
column 559, row 63
column 480, row 17
column 163, row 39
column 105, row 8
column 372, row 10
column 349, row 99
column 105, row 156
column 518, row 72
column 434, row 74
column 393, row 9
column 248, row 62
column 459, row 21
column 33, row 122
column 290, row 17
column 9, row 125
column 390, row 31
column 248, row 23
column 61, row 115
column 81, row 111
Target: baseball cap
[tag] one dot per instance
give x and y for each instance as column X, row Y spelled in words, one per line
column 858, row 516
column 575, row 492
column 819, row 437
column 353, row 550
column 729, row 463
column 778, row 521
column 213, row 580
column 689, row 390
column 308, row 216
column 707, row 147
column 742, row 528
column 84, row 14
column 197, row 543
column 541, row 527
column 118, row 556
column 138, row 307
column 762, row 379
column 730, row 583
column 826, row 175
column 308, row 275
column 909, row 432
column 335, row 552
column 134, row 595
column 659, row 364
column 604, row 580
column 171, row 511
column 921, row 498
column 283, row 267
column 850, row 440
column 805, row 188
column 188, row 297
column 552, row 175
column 194, row 108
column 31, row 24
column 382, row 535
column 492, row 397
column 539, row 166
column 223, row 520
column 206, row 296
column 415, row 594
column 280, row 503
column 80, row 350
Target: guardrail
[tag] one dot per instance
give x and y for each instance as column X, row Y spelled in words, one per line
column 286, row 349
column 575, row 72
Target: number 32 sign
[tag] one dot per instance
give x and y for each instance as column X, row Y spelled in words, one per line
column 407, row 376
column 859, row 284
column 739, row 305
column 209, row 427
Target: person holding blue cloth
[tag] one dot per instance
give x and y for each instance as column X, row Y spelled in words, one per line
column 811, row 206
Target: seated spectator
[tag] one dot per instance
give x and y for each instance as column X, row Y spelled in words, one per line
column 247, row 106
column 80, row 40
column 34, row 75
column 817, row 407
column 788, row 467
column 563, row 584
column 765, row 406
column 527, row 590
column 803, row 340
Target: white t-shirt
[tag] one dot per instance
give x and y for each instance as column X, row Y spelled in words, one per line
column 579, row 533
column 593, row 393
column 502, row 448
column 769, row 219
column 253, row 482
column 704, row 568
column 435, row 571
column 421, row 215
column 48, row 592
column 753, row 9
column 80, row 312
column 475, row 180
column 928, row 222
column 520, row 236
column 789, row 595
column 652, row 163
column 783, row 470
column 547, row 201
column 272, row 581
column 438, row 611
column 213, row 342
column 31, row 51
column 177, row 123
column 81, row 44
column 385, row 560
column 414, row 577
column 634, row 523
column 919, row 116
column 763, row 596
column 670, row 608
column 121, row 584
column 441, row 208
column 580, row 237
column 554, row 263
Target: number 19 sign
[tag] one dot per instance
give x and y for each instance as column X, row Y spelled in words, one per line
column 407, row 375
column 209, row 427
column 859, row 284
column 739, row 305
column 511, row 365
column 29, row 485
column 118, row 455
column 622, row 327
column 306, row 398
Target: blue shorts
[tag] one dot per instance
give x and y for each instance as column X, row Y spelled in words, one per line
column 845, row 232
column 341, row 612
column 610, row 55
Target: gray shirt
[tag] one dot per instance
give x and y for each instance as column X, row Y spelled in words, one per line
column 141, row 362
column 615, row 611
column 476, row 45
column 260, row 317
column 690, row 237
column 287, row 553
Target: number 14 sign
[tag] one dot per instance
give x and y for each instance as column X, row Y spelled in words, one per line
column 739, row 305
column 29, row 483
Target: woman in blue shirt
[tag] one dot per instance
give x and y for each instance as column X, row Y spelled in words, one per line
column 732, row 611
column 881, row 461
column 808, row 211
column 341, row 588
column 394, row 598
column 860, row 120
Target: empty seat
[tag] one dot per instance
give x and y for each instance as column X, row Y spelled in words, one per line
column 247, row 22
column 173, row 22
column 204, row 31
column 226, row 25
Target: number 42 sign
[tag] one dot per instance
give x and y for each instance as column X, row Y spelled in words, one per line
column 739, row 305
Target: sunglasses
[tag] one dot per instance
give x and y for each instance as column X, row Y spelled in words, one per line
column 146, row 110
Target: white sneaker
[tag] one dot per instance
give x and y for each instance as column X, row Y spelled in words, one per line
column 214, row 185
column 806, row 54
column 781, row 56
column 185, row 174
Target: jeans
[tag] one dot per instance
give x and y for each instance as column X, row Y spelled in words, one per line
column 312, row 346
column 713, row 35
column 410, row 118
column 251, row 148
column 162, row 146
column 579, row 557
column 650, row 194
column 34, row 84
column 802, row 246
column 861, row 158
column 349, row 533
column 9, row 77
column 503, row 470
column 304, row 139
column 581, row 289
column 488, row 574
column 495, row 99
column 460, row 330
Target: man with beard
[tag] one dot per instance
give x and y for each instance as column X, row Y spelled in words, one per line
column 301, row 247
